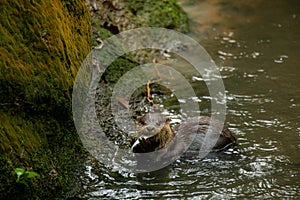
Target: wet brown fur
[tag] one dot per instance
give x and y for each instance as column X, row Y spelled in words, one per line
column 163, row 134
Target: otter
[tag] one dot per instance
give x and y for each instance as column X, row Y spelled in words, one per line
column 153, row 137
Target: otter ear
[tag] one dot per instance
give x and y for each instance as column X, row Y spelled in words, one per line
column 168, row 120
column 141, row 120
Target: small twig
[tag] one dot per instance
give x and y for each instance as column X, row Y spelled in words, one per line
column 149, row 98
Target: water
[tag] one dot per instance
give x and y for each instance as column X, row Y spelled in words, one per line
column 256, row 45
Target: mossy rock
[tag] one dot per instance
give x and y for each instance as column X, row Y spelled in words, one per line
column 118, row 16
column 45, row 146
column 42, row 46
column 165, row 13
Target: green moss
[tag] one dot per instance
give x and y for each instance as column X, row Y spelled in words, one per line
column 118, row 68
column 118, row 16
column 18, row 136
column 165, row 13
column 32, row 145
column 42, row 45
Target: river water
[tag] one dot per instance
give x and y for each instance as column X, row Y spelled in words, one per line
column 256, row 46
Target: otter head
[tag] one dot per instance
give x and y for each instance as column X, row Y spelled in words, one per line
column 153, row 136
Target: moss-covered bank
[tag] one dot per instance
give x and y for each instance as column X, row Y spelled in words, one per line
column 42, row 45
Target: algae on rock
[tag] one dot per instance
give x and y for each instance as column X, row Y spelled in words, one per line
column 121, row 15
column 42, row 46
